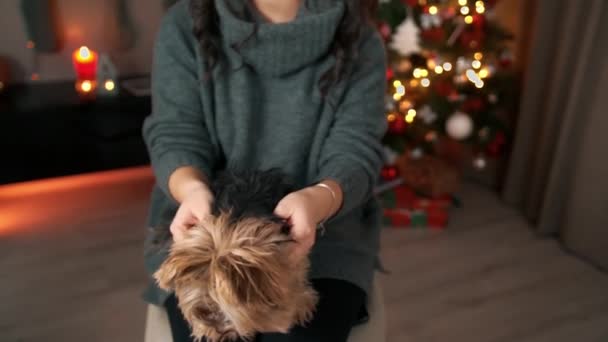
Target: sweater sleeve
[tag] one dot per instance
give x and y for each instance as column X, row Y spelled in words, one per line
column 352, row 153
column 175, row 133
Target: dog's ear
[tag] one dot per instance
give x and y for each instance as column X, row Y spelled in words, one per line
column 166, row 274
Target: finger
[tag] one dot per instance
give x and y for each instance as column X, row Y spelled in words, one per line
column 283, row 209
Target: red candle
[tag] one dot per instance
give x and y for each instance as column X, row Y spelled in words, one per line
column 85, row 63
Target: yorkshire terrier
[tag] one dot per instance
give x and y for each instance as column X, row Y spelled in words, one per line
column 232, row 274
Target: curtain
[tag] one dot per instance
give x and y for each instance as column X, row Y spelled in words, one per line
column 558, row 168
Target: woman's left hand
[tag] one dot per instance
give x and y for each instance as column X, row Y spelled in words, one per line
column 304, row 209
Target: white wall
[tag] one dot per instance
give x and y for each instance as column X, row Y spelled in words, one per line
column 82, row 22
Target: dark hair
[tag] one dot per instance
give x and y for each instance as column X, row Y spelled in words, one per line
column 358, row 14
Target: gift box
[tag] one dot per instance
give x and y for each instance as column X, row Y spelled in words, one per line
column 404, row 208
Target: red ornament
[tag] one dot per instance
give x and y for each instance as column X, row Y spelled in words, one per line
column 495, row 147
column 443, row 88
column 435, row 34
column 472, row 105
column 397, row 125
column 479, row 22
column 388, row 173
column 385, row 30
column 471, row 39
column 389, row 74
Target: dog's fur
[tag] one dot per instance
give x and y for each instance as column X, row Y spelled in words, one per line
column 231, row 274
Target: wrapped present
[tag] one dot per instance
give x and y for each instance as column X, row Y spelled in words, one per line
column 428, row 175
column 405, row 218
column 403, row 207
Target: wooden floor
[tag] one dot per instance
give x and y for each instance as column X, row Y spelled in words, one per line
column 71, row 270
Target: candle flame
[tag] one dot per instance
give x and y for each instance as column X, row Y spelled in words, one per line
column 84, row 52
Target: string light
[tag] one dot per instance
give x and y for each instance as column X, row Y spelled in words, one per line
column 478, row 56
column 433, row 10
column 396, row 83
column 86, row 86
column 413, row 83
column 396, row 97
column 405, row 105
column 479, row 84
column 109, row 85
column 430, row 136
column 438, row 69
column 476, row 64
column 400, row 90
column 391, row 117
column 464, row 10
column 462, row 2
column 468, row 19
column 411, row 114
column 479, row 3
column 447, row 66
column 483, row 73
column 431, row 63
column 425, row 82
column 480, row 9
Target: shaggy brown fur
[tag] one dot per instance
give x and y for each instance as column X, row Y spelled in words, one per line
column 233, row 278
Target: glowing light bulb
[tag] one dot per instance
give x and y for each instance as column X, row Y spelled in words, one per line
column 476, row 64
column 86, row 86
column 405, row 105
column 479, row 3
column 396, row 97
column 480, row 9
column 109, row 85
column 413, row 83
column 479, row 84
column 438, row 69
column 417, row 73
column 425, row 82
column 411, row 114
column 468, row 19
column 462, row 2
column 464, row 10
column 483, row 73
column 447, row 66
column 424, row 72
column 478, row 56
column 396, row 83
column 433, row 10
column 400, row 90
column 391, row 117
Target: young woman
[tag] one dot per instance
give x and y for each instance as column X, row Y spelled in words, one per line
column 256, row 84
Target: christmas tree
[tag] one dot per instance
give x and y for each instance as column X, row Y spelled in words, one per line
column 450, row 83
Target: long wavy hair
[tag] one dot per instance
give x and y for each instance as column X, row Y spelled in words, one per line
column 358, row 14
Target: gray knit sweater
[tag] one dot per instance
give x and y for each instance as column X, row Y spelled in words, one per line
column 260, row 108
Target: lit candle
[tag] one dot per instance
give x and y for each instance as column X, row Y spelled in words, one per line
column 85, row 63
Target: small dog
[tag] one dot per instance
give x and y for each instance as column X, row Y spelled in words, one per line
column 231, row 274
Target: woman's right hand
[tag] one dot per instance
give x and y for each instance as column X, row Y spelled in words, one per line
column 189, row 188
column 195, row 206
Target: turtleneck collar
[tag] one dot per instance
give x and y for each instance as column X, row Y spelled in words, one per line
column 278, row 49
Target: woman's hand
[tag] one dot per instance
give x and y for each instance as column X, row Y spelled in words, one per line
column 195, row 206
column 305, row 209
column 189, row 188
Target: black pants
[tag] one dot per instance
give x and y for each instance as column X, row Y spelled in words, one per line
column 341, row 305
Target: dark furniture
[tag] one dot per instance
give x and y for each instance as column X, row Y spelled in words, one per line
column 47, row 130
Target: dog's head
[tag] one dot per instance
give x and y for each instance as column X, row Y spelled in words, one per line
column 234, row 279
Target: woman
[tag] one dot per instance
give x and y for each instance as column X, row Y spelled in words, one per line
column 256, row 84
